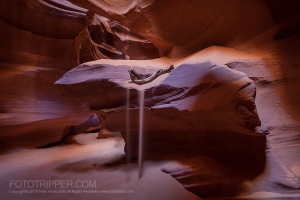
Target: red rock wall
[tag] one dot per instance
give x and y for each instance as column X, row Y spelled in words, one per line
column 183, row 27
column 37, row 48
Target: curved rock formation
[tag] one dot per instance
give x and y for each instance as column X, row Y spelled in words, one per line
column 102, row 38
column 38, row 45
column 179, row 28
column 37, row 48
column 185, row 106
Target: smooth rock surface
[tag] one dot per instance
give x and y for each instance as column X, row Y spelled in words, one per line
column 38, row 46
column 187, row 107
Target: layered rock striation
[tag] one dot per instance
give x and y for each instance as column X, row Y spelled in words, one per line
column 40, row 41
column 191, row 106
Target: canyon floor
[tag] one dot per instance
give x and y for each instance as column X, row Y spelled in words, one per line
column 103, row 161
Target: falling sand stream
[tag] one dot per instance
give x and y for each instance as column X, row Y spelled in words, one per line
column 127, row 123
column 141, row 123
column 141, row 98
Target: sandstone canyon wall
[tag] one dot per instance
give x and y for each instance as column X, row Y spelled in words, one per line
column 37, row 47
column 42, row 40
column 39, row 43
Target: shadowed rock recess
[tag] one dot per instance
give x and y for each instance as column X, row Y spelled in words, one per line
column 196, row 109
column 230, row 107
column 192, row 100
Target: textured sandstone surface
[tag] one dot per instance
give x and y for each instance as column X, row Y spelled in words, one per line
column 37, row 47
column 41, row 40
column 181, row 108
column 179, row 28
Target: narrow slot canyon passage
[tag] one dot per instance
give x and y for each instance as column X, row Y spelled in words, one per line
column 150, row 99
